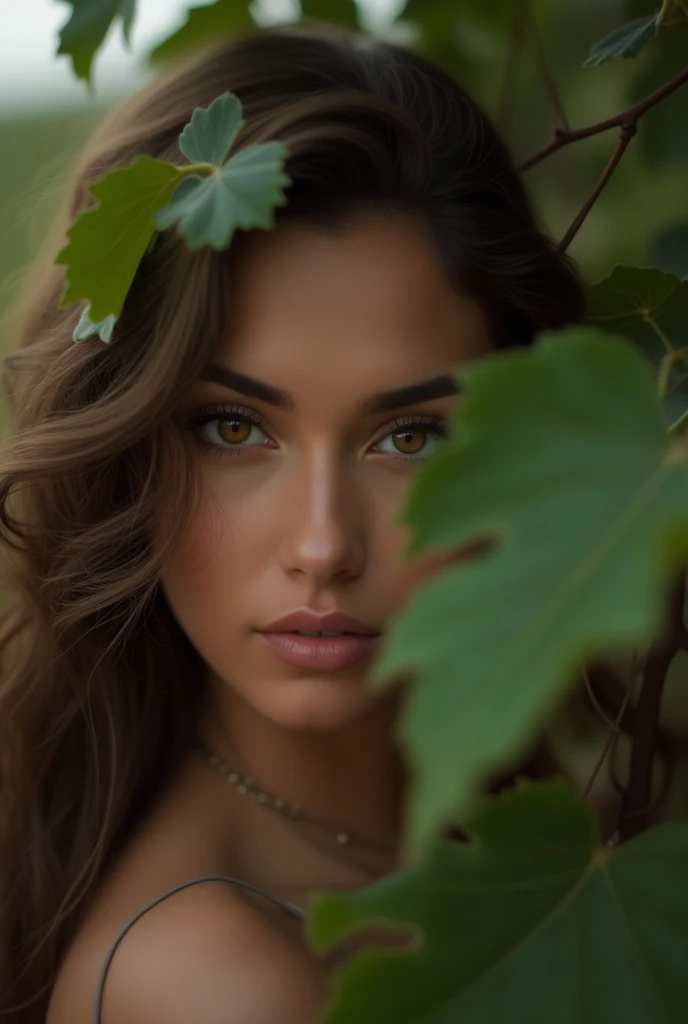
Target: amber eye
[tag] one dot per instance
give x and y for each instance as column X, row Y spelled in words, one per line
column 234, row 431
column 410, row 442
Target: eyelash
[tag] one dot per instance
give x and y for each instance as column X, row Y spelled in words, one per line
column 434, row 425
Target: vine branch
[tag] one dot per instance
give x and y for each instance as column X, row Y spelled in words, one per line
column 565, row 136
column 627, row 121
column 638, row 791
column 627, row 133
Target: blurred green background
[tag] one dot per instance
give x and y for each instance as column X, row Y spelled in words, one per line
column 45, row 114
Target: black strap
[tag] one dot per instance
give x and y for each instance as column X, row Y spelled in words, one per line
column 290, row 908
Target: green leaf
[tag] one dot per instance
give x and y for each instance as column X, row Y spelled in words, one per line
column 342, row 12
column 106, row 243
column 209, row 135
column 205, row 25
column 530, row 922
column 650, row 307
column 561, row 453
column 626, row 41
column 84, row 32
column 241, row 194
column 87, row 329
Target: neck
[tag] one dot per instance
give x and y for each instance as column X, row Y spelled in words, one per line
column 353, row 777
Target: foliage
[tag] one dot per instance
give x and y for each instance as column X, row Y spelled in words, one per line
column 83, row 34
column 524, row 923
column 202, row 26
column 560, row 451
column 569, row 458
column 207, row 200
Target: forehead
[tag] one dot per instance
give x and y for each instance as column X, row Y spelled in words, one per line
column 368, row 306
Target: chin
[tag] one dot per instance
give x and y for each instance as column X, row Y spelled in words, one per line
column 320, row 706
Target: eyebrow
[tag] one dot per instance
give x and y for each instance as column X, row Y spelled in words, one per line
column 382, row 401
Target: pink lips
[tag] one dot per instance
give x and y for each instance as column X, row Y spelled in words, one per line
column 319, row 653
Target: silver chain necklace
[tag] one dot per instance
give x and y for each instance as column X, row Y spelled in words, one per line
column 246, row 785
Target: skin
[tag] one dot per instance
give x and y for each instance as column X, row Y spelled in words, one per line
column 304, row 516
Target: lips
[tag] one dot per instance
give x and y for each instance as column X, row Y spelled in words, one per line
column 318, row 622
column 319, row 653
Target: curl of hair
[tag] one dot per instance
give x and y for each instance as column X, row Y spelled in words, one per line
column 99, row 686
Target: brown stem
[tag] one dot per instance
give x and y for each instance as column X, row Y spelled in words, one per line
column 564, row 136
column 638, row 791
column 627, row 133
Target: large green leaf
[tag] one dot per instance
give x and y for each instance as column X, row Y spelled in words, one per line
column 106, row 243
column 626, row 41
column 87, row 26
column 561, row 452
column 205, row 25
column 651, row 307
column 530, row 923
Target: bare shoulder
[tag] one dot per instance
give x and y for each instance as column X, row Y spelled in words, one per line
column 204, row 955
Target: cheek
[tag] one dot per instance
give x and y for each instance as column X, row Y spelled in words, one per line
column 207, row 573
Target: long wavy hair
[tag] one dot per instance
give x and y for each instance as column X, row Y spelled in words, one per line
column 99, row 686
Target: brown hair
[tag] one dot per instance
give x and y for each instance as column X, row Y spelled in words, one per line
column 99, row 686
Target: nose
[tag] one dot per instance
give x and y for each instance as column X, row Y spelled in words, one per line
column 323, row 536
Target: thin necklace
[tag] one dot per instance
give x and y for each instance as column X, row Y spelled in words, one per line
column 246, row 785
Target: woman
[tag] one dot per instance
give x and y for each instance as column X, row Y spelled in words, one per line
column 177, row 505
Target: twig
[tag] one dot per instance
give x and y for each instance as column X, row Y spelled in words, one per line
column 627, row 133
column 613, row 725
column 636, row 800
column 564, row 137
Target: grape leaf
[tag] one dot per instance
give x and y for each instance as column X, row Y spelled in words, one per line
column 88, row 24
column 242, row 193
column 626, row 41
column 531, row 921
column 561, row 453
column 651, row 307
column 205, row 25
column 106, row 243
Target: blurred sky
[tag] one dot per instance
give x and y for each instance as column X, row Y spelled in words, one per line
column 33, row 78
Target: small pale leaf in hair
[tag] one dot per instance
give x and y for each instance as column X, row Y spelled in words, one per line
column 86, row 328
column 241, row 194
column 209, row 135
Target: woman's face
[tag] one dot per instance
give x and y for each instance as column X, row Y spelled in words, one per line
column 303, row 495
